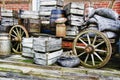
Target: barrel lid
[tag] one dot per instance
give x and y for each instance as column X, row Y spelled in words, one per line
column 60, row 20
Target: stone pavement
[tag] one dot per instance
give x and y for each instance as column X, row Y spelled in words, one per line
column 20, row 68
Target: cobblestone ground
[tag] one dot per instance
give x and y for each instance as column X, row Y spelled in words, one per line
column 17, row 68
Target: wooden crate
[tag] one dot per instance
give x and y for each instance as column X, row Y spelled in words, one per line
column 74, row 28
column 27, row 47
column 51, row 2
column 47, row 58
column 74, row 5
column 46, row 44
column 27, row 42
column 27, row 52
column 34, row 25
column 72, row 33
column 75, row 17
column 74, row 8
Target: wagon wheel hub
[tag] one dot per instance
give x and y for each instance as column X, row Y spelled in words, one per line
column 18, row 39
column 89, row 49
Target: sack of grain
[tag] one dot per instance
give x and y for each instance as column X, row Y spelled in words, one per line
column 105, row 12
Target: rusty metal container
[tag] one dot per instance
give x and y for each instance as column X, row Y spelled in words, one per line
column 5, row 44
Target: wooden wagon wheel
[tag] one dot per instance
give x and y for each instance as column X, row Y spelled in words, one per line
column 95, row 50
column 16, row 33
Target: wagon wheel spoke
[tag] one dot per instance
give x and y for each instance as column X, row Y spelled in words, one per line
column 98, row 56
column 88, row 37
column 86, row 58
column 99, row 50
column 18, row 45
column 83, row 42
column 15, row 33
column 22, row 34
column 79, row 47
column 93, row 61
column 15, row 44
column 81, row 54
column 94, row 40
column 100, row 44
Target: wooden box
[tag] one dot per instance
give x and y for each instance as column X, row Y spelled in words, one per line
column 27, row 47
column 27, row 52
column 74, row 28
column 74, row 11
column 34, row 25
column 27, row 42
column 72, row 33
column 74, row 23
column 74, row 5
column 75, row 17
column 46, row 44
column 51, row 2
column 74, row 8
column 47, row 58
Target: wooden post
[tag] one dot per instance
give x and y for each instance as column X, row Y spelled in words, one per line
column 111, row 4
column 30, row 4
column 3, row 4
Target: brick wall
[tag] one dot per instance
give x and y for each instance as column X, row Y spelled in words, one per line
column 16, row 4
column 99, row 3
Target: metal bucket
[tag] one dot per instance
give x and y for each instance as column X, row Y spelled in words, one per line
column 5, row 44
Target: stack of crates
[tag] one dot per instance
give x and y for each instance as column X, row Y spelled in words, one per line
column 47, row 50
column 30, row 20
column 8, row 19
column 46, row 6
column 74, row 12
column 27, row 47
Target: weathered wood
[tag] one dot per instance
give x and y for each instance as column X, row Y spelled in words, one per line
column 58, row 73
column 46, row 44
column 50, row 2
column 74, row 8
column 71, row 33
column 47, row 58
column 74, row 5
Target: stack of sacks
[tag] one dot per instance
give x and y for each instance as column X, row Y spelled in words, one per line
column 107, row 21
column 74, row 13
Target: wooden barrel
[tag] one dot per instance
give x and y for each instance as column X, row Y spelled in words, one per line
column 5, row 44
